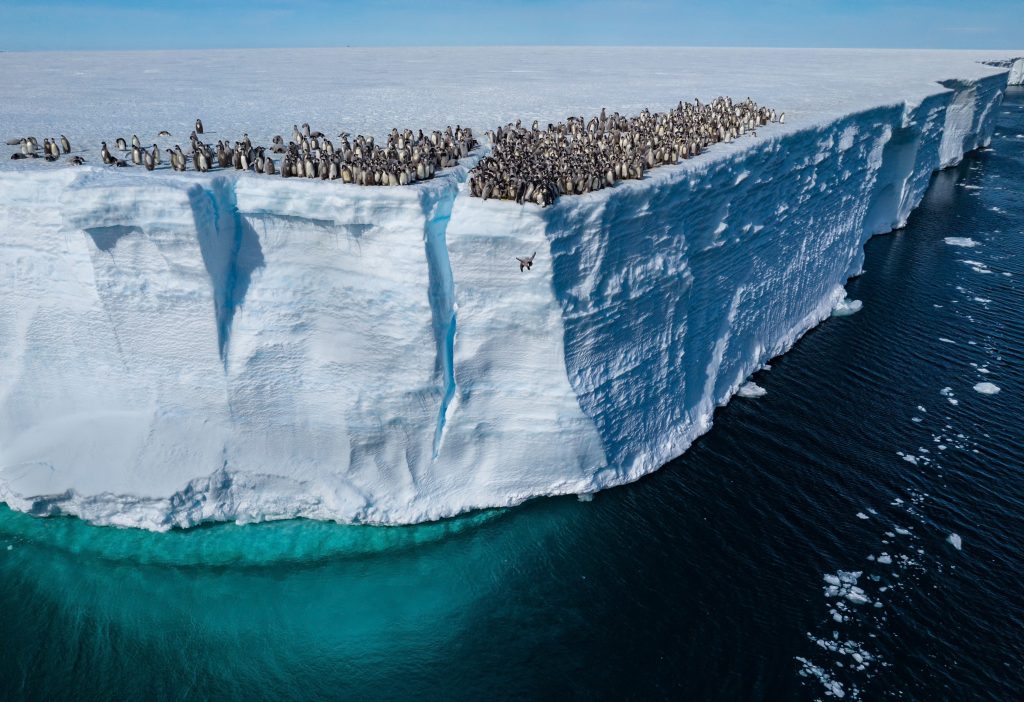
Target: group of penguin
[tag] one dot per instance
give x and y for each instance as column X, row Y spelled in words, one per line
column 404, row 159
column 525, row 165
column 576, row 156
column 52, row 149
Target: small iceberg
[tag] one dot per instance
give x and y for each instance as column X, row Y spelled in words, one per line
column 964, row 241
column 955, row 541
column 986, row 388
column 751, row 389
column 846, row 307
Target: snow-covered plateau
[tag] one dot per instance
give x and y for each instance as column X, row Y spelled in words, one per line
column 179, row 348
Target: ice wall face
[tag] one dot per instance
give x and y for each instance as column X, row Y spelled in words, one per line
column 179, row 349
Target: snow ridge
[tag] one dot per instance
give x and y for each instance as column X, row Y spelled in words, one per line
column 179, row 349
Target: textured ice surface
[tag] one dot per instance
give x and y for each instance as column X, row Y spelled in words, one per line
column 179, row 348
column 986, row 388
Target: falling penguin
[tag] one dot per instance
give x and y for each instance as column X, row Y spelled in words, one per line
column 526, row 263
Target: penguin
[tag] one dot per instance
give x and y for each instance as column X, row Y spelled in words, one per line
column 199, row 126
column 65, row 145
column 105, row 154
column 121, row 144
column 77, row 161
column 164, row 133
column 526, row 264
column 135, row 142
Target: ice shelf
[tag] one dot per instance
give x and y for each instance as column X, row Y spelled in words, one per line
column 180, row 348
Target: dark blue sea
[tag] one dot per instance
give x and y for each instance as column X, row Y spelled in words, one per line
column 855, row 533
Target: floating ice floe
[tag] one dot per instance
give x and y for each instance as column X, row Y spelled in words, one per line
column 955, row 540
column 833, row 688
column 844, row 585
column 846, row 307
column 751, row 389
column 964, row 241
column 976, row 266
column 986, row 388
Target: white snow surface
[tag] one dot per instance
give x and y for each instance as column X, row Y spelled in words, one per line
column 180, row 348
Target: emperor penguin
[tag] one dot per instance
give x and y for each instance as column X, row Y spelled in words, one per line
column 199, row 126
column 65, row 144
column 121, row 144
column 135, row 141
column 526, row 264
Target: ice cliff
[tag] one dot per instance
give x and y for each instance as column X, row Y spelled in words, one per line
column 183, row 348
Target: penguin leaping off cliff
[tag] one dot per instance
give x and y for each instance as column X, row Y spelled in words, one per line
column 526, row 263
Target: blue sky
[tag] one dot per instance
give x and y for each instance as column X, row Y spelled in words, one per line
column 136, row 24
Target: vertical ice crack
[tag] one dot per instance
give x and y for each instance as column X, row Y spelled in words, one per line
column 437, row 209
column 231, row 251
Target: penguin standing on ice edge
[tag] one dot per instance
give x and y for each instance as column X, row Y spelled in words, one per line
column 526, row 263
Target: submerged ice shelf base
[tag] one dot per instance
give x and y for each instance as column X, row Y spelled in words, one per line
column 177, row 349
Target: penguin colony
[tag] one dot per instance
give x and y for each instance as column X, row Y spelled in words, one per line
column 576, row 156
column 526, row 165
column 405, row 157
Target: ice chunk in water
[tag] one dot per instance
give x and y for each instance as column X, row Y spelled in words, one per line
column 986, row 388
column 964, row 241
column 846, row 307
column 751, row 389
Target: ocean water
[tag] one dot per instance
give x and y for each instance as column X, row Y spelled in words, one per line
column 855, row 530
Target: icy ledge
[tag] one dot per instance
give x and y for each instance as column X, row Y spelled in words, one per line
column 182, row 349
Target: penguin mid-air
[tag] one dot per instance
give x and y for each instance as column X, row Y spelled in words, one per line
column 526, row 263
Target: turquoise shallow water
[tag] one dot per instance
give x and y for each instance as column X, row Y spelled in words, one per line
column 702, row 581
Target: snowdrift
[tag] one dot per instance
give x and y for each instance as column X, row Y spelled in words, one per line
column 183, row 348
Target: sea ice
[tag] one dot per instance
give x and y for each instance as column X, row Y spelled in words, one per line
column 751, row 389
column 846, row 307
column 955, row 541
column 963, row 241
column 986, row 388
